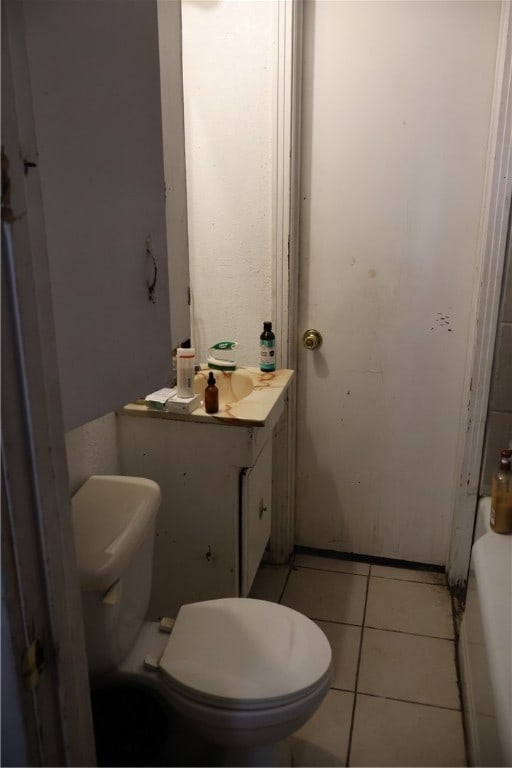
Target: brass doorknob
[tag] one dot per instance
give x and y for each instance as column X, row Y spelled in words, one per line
column 312, row 339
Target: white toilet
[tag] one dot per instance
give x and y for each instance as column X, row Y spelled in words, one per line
column 244, row 673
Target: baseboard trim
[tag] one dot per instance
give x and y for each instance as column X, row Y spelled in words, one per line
column 389, row 561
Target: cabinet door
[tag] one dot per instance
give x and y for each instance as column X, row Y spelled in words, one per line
column 256, row 516
column 94, row 68
column 197, row 533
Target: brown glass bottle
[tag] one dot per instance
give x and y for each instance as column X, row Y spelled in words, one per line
column 501, row 502
column 211, row 395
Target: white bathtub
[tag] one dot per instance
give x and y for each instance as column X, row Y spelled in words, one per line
column 485, row 646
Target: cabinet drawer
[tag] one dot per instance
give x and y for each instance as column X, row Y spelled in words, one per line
column 255, row 516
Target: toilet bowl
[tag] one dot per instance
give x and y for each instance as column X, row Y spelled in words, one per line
column 244, row 673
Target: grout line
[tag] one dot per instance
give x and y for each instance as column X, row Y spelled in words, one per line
column 411, row 701
column 328, row 570
column 380, row 629
column 344, row 690
column 340, row 623
column 349, row 747
column 302, row 566
column 322, row 567
column 414, row 634
column 411, row 581
column 456, row 630
column 285, row 582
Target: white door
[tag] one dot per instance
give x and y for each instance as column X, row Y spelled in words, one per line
column 396, row 111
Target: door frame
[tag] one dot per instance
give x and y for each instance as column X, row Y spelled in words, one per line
column 487, row 291
column 285, row 265
column 486, row 303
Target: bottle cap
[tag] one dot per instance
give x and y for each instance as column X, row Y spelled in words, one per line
column 211, row 379
column 267, row 325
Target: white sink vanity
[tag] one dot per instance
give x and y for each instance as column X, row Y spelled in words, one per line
column 215, row 473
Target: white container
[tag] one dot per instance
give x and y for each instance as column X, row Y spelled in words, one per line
column 185, row 362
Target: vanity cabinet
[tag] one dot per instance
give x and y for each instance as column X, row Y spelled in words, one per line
column 214, row 521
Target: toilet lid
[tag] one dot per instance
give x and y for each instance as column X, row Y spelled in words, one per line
column 240, row 652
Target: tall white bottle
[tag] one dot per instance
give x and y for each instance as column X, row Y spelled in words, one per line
column 185, row 362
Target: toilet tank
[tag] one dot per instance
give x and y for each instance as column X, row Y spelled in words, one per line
column 114, row 525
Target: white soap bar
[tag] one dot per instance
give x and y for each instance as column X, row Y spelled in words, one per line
column 159, row 398
column 175, row 404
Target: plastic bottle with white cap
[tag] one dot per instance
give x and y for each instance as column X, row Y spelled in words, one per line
column 185, row 362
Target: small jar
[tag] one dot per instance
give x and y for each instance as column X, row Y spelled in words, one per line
column 501, row 501
column 211, row 395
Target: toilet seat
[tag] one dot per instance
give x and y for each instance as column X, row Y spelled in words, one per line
column 244, row 654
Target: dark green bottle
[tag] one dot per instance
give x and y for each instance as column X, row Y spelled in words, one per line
column 267, row 349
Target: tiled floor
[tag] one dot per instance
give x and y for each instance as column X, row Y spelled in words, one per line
column 394, row 699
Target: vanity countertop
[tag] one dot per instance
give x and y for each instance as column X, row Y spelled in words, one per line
column 253, row 410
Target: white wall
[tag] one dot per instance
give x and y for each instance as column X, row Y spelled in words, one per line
column 228, row 70
column 92, row 449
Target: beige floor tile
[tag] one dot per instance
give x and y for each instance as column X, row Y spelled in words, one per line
column 408, row 574
column 399, row 733
column 345, row 640
column 331, row 564
column 409, row 667
column 323, row 740
column 407, row 606
column 326, row 595
column 269, row 582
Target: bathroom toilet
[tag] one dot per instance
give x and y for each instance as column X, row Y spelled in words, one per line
column 244, row 673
